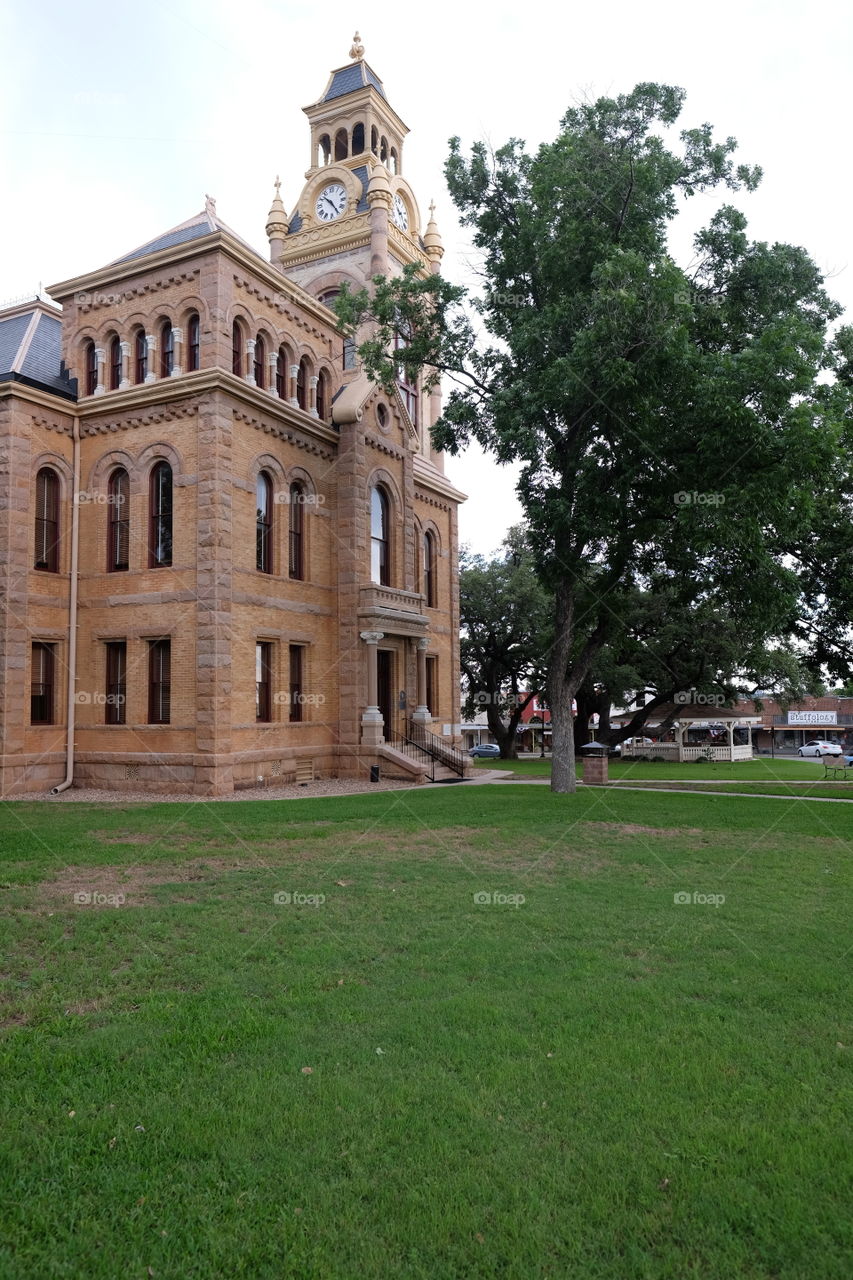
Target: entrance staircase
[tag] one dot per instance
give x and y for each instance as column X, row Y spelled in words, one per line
column 417, row 750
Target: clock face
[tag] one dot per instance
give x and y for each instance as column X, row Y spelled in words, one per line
column 331, row 202
column 400, row 213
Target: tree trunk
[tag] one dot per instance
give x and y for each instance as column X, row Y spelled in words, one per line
column 560, row 695
column 563, row 777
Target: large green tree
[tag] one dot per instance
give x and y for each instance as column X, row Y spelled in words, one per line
column 668, row 419
column 505, row 614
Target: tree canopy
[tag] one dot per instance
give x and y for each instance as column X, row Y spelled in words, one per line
column 674, row 423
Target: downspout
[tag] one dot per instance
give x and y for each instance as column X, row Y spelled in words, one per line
column 72, row 612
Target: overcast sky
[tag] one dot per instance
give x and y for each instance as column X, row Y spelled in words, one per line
column 117, row 119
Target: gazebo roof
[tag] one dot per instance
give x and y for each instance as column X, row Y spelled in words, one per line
column 693, row 713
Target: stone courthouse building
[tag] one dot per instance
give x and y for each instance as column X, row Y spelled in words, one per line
column 225, row 555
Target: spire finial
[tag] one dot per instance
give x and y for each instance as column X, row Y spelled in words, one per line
column 277, row 185
column 432, row 210
column 357, row 50
column 210, row 205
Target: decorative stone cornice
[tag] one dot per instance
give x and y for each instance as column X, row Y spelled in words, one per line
column 282, row 432
column 161, row 413
column 96, row 299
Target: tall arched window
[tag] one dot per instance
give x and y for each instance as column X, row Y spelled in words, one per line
column 237, row 349
column 47, row 521
column 118, row 522
column 296, row 540
column 167, row 349
column 429, row 569
column 281, row 373
column 260, row 361
column 324, row 150
column 193, row 343
column 160, row 516
column 323, row 396
column 383, row 150
column 140, row 356
column 341, row 144
column 380, row 559
column 263, row 523
column 374, row 139
column 357, row 139
column 302, row 384
column 91, row 369
column 394, row 162
column 115, row 363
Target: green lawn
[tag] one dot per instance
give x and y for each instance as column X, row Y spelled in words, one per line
column 403, row 1081
column 763, row 769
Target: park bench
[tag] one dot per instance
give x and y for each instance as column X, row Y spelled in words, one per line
column 835, row 765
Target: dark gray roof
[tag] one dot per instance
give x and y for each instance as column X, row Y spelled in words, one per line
column 30, row 352
column 348, row 79
column 171, row 238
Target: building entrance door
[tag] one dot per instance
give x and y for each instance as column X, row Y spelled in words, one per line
column 385, row 686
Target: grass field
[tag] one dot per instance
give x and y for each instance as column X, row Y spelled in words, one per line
column 762, row 769
column 596, row 1081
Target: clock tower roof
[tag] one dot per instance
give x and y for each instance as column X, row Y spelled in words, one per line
column 351, row 78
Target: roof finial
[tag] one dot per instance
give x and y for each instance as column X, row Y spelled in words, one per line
column 277, row 185
column 432, row 210
column 210, row 205
column 357, row 50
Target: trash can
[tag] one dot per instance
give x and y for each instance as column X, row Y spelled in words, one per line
column 374, row 773
column 595, row 764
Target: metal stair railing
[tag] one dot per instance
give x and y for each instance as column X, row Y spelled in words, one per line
column 413, row 750
column 451, row 757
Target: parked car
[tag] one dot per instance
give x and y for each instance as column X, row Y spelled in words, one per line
column 485, row 749
column 634, row 742
column 818, row 747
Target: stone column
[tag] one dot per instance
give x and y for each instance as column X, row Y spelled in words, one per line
column 272, row 369
column 250, row 362
column 371, row 721
column 101, row 385
column 125, row 367
column 294, row 373
column 177, row 352
column 730, row 730
column 151, row 344
column 422, row 712
column 312, row 396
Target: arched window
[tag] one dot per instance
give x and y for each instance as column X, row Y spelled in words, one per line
column 140, row 356
column 263, row 523
column 429, row 569
column 115, row 364
column 357, row 139
column 160, row 516
column 118, row 522
column 394, row 162
column 383, row 150
column 380, row 560
column 296, row 540
column 302, row 384
column 47, row 521
column 260, row 369
column 281, row 373
column 349, row 355
column 193, row 343
column 341, row 144
column 374, row 139
column 91, row 369
column 324, row 150
column 167, row 349
column 237, row 349
column 323, row 396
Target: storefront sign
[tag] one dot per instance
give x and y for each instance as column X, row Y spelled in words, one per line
column 812, row 717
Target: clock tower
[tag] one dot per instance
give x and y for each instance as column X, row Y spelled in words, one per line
column 356, row 215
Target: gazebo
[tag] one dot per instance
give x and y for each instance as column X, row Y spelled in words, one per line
column 684, row 718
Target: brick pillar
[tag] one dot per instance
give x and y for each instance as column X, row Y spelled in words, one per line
column 214, row 774
column 15, row 524
column 595, row 771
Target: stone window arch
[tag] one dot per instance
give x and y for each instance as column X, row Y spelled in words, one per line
column 380, row 536
column 46, row 556
column 264, row 500
column 167, row 348
column 118, row 521
column 90, row 367
column 115, row 362
column 358, row 138
column 341, row 145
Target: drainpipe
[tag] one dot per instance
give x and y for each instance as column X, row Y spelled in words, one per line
column 72, row 613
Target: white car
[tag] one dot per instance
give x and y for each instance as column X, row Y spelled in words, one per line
column 818, row 747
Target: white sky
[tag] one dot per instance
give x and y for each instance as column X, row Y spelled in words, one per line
column 117, row 119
